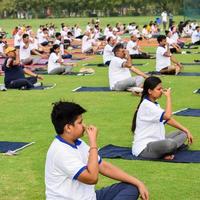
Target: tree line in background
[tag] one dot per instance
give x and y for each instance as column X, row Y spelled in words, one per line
column 91, row 8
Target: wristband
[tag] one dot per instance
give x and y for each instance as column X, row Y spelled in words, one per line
column 91, row 148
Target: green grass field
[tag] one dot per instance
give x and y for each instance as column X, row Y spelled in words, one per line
column 25, row 117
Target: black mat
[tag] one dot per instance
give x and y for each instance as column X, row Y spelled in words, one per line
column 92, row 89
column 193, row 63
column 102, row 65
column 188, row 112
column 180, row 74
column 196, row 91
column 181, row 156
column 12, row 146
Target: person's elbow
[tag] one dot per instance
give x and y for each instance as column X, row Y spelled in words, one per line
column 93, row 180
column 167, row 116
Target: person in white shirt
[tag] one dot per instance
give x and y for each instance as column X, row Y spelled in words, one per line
column 72, row 167
column 150, row 140
column 3, row 46
column 173, row 46
column 56, row 64
column 89, row 45
column 164, row 19
column 25, row 52
column 107, row 52
column 134, row 49
column 196, row 36
column 120, row 69
column 18, row 39
column 164, row 58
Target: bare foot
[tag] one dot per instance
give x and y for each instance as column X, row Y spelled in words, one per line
column 169, row 157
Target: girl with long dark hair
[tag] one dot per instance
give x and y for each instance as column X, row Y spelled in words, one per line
column 148, row 123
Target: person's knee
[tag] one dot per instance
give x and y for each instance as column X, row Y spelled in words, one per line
column 170, row 145
column 139, row 80
column 131, row 189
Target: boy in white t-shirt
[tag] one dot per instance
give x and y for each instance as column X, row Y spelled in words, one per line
column 72, row 167
column 164, row 58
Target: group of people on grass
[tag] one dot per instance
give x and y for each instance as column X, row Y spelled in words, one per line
column 73, row 165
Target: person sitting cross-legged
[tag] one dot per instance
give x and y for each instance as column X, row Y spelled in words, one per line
column 15, row 73
column 164, row 58
column 120, row 69
column 72, row 167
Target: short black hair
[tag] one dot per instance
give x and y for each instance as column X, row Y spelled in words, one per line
column 117, row 47
column 57, row 34
column 25, row 35
column 161, row 38
column 63, row 113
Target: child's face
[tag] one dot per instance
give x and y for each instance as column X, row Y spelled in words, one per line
column 156, row 93
column 78, row 128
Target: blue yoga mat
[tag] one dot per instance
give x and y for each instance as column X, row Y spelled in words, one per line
column 180, row 74
column 188, row 112
column 181, row 156
column 92, row 89
column 12, row 146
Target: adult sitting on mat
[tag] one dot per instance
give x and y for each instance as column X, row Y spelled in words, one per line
column 120, row 69
column 107, row 52
column 15, row 73
column 25, row 52
column 148, row 124
column 196, row 36
column 73, row 167
column 56, row 64
column 134, row 49
column 164, row 58
column 173, row 46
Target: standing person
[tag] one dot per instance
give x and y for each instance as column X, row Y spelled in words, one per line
column 148, row 123
column 170, row 19
column 72, row 167
column 164, row 58
column 56, row 64
column 164, row 20
column 120, row 69
column 15, row 73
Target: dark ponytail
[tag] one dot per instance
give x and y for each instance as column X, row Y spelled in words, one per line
column 150, row 83
column 54, row 47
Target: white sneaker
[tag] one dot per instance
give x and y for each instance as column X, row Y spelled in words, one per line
column 3, row 88
column 38, row 84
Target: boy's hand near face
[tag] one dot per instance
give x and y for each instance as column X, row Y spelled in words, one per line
column 92, row 135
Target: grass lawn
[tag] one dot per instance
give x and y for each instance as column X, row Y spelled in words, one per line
column 25, row 117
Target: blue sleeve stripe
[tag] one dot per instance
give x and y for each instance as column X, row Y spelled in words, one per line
column 166, row 121
column 161, row 117
column 100, row 160
column 79, row 172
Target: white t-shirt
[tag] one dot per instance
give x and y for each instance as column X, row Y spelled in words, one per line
column 64, row 163
column 164, row 16
column 42, row 38
column 86, row 43
column 52, row 62
column 2, row 45
column 195, row 36
column 17, row 40
column 117, row 72
column 161, row 60
column 107, row 53
column 149, row 126
column 131, row 47
column 25, row 53
column 58, row 42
